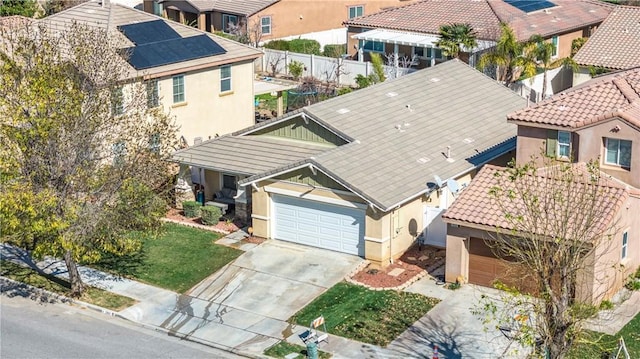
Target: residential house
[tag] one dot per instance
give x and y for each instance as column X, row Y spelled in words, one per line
column 271, row 19
column 205, row 81
column 413, row 29
column 614, row 46
column 367, row 172
column 600, row 120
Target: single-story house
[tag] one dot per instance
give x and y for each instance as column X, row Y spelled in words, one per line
column 367, row 172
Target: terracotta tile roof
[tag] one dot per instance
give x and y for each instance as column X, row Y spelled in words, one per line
column 485, row 16
column 602, row 98
column 477, row 206
column 616, row 43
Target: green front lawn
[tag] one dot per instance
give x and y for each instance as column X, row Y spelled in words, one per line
column 177, row 259
column 282, row 349
column 593, row 344
column 355, row 312
column 60, row 286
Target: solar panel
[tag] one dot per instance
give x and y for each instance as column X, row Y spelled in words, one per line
column 147, row 32
column 173, row 51
column 530, row 5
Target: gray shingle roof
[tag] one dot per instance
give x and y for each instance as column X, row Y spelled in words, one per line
column 110, row 16
column 616, row 43
column 400, row 130
column 247, row 155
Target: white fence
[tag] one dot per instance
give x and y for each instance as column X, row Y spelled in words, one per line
column 338, row 70
column 558, row 80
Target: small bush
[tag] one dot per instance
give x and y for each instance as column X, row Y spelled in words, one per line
column 296, row 68
column 282, row 45
column 304, row 46
column 334, row 50
column 454, row 286
column 606, row 305
column 191, row 208
column 210, row 215
column 344, row 90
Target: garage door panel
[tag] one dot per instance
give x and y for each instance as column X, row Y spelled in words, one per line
column 318, row 224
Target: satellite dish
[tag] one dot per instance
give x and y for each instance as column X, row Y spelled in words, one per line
column 453, row 186
column 438, row 181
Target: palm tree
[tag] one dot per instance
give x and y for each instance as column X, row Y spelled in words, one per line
column 455, row 36
column 542, row 51
column 508, row 56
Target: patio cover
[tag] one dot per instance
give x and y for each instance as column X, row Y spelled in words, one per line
column 398, row 37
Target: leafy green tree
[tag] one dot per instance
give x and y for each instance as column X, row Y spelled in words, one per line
column 507, row 56
column 78, row 177
column 378, row 68
column 542, row 51
column 26, row 8
column 454, row 37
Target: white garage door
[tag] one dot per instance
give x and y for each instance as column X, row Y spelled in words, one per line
column 318, row 224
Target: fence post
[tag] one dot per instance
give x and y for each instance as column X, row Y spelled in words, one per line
column 312, row 62
column 286, row 62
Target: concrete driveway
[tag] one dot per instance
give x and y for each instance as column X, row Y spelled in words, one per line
column 244, row 306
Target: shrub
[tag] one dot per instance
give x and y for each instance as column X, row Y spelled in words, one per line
column 210, row 215
column 606, row 305
column 304, row 46
column 296, row 68
column 344, row 90
column 191, row 208
column 282, row 45
column 334, row 50
column 363, row 81
column 633, row 284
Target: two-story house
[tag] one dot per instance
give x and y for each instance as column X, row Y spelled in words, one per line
column 205, row 81
column 271, row 19
column 603, row 52
column 598, row 120
column 413, row 29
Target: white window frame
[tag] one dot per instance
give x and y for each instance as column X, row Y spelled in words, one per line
column 625, row 245
column 555, row 41
column 561, row 145
column 263, row 25
column 606, row 152
column 225, row 79
column 355, row 11
column 181, row 95
column 226, row 20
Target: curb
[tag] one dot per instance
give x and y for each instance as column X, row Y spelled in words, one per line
column 70, row 301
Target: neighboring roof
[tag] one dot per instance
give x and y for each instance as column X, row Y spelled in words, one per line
column 246, row 155
column 399, row 131
column 14, row 21
column 110, row 16
column 599, row 99
column 485, row 16
column 616, row 42
column 243, row 7
column 477, row 206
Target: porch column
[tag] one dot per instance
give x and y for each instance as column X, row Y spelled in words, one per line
column 457, row 259
column 182, row 17
column 202, row 21
column 280, row 104
column 360, row 55
column 184, row 187
column 433, row 57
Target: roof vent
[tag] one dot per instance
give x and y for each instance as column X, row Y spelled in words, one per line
column 434, row 79
column 468, row 140
column 342, row 111
column 399, row 127
column 423, row 160
column 392, row 94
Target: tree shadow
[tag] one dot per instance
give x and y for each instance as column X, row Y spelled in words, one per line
column 126, row 266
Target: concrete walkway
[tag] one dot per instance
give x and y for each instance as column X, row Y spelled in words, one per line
column 627, row 306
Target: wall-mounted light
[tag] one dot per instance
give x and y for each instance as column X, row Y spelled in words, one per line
column 616, row 129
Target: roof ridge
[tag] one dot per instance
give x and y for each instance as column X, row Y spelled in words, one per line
column 625, row 88
column 495, row 12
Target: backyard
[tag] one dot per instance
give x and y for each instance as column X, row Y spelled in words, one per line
column 369, row 316
column 593, row 344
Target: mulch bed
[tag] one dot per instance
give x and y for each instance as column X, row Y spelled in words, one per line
column 414, row 261
column 178, row 214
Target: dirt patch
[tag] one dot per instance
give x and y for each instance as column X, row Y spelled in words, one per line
column 227, row 224
column 416, row 260
column 254, row 240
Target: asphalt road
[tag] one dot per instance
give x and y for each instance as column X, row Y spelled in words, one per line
column 31, row 330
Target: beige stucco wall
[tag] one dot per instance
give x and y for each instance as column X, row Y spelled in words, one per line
column 565, row 40
column 588, row 144
column 581, row 76
column 206, row 111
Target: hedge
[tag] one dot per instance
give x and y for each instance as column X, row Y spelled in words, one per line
column 334, row 50
column 210, row 215
column 304, row 46
column 282, row 45
column 191, row 208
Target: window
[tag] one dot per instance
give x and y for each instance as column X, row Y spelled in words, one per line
column 178, row 88
column 618, row 152
column 229, row 22
column 157, row 8
column 625, row 241
column 554, row 41
column 418, row 51
column 225, row 78
column 153, row 98
column 265, row 23
column 356, row 11
column 434, row 52
column 229, row 181
column 375, row 46
column 564, row 144
column 117, row 105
